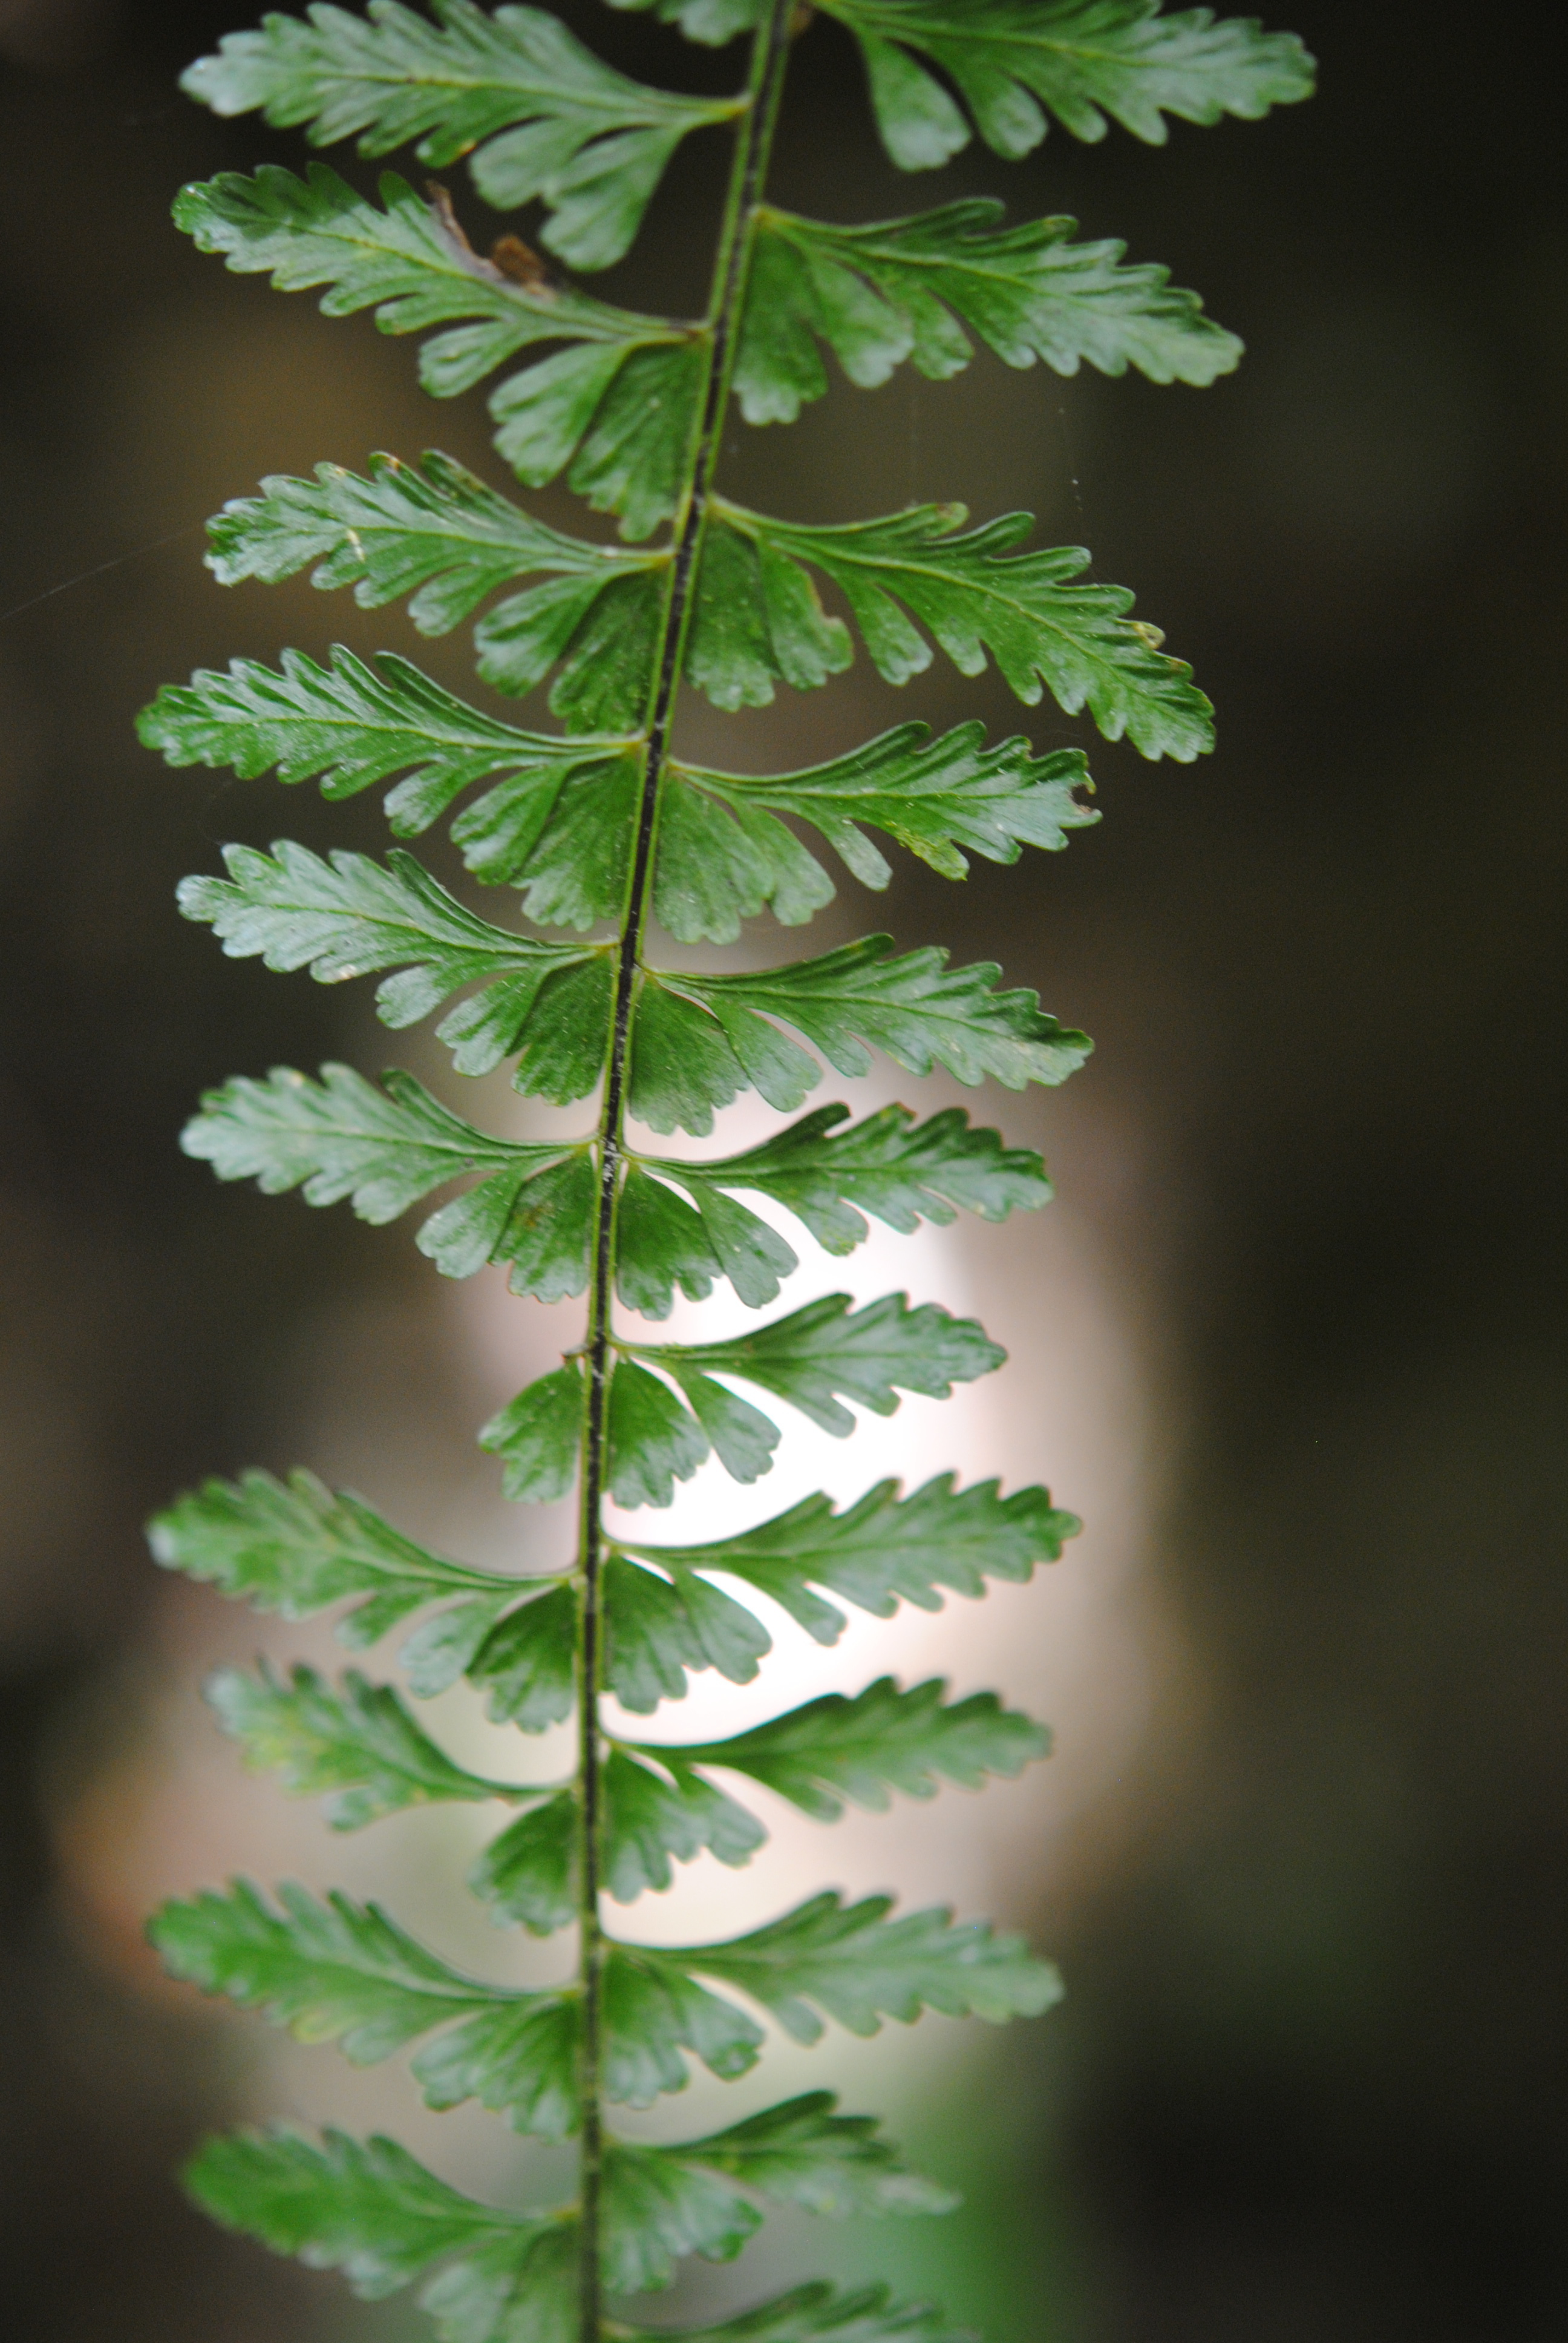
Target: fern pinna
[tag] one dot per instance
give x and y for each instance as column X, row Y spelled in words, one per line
column 607, row 832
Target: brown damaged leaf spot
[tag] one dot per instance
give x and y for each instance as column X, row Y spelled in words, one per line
column 510, row 261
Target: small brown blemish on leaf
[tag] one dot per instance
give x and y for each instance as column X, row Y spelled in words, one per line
column 511, row 261
column 521, row 265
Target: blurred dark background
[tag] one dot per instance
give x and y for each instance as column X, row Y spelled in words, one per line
column 1311, row 2080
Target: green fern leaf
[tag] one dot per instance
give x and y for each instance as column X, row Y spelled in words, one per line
column 354, row 725
column 653, row 1441
column 295, row 1548
column 621, row 399
column 650, row 1816
column 836, row 1749
column 818, row 2313
column 656, row 1628
column 936, row 798
column 550, row 1003
column 435, row 532
column 512, row 2292
column 975, row 592
column 526, row 1663
column 656, row 2210
column 620, row 416
column 350, row 917
column 822, row 1351
column 663, row 2203
column 807, row 1359
column 332, row 1972
column 700, row 1040
column 852, row 1964
column 882, row 1550
column 499, row 2297
column 359, row 1743
column 602, row 832
column 590, row 144
column 711, row 22
column 518, row 2057
column 1080, row 59
column 369, row 2209
column 719, row 858
column 341, row 1137
column 530, row 1872
column 407, row 255
column 804, row 2153
column 538, row 1434
column 653, row 2012
column 343, row 1971
column 338, row 1971
column 898, row 1169
column 663, row 1242
column 879, row 295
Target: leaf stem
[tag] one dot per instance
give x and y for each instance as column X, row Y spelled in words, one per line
column 737, row 235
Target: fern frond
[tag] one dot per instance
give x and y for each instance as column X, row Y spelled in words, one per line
column 898, row 1169
column 663, row 2203
column 341, row 1137
column 545, row 1003
column 820, row 2313
column 836, row 1749
column 723, row 855
column 880, row 295
column 883, row 1550
column 902, row 1175
column 602, row 832
column 332, row 1972
column 354, row 724
column 1013, row 61
column 974, row 592
column 546, row 117
column 437, row 533
column 700, row 1040
column 370, row 2209
column 296, row 1547
column 849, row 1961
column 359, row 1744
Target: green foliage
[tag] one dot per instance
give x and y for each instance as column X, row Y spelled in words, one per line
column 723, row 855
column 819, row 2314
column 700, row 1040
column 835, row 1749
column 546, row 118
column 849, row 1961
column 898, row 1169
column 902, row 1175
column 296, row 1547
column 877, row 295
column 807, row 1359
column 341, row 1137
column 604, row 827
column 883, row 1550
column 667, row 2202
column 757, row 617
column 1080, row 60
column 435, row 532
column 359, row 1743
column 354, row 725
column 369, row 2209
